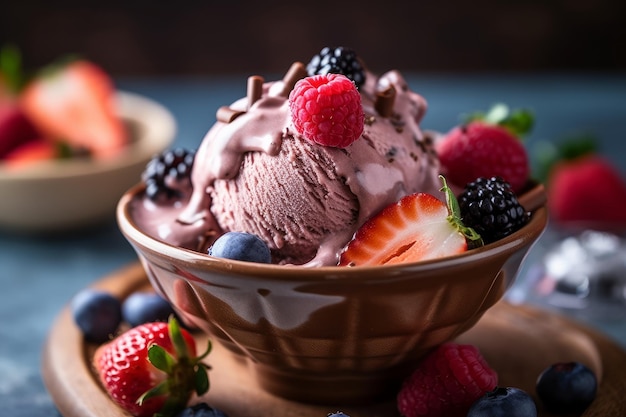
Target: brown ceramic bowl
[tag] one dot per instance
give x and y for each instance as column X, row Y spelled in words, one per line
column 333, row 334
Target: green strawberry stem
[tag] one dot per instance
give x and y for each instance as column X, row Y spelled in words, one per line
column 549, row 153
column 454, row 216
column 519, row 121
column 13, row 72
column 185, row 374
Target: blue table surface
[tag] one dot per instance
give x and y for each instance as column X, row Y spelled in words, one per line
column 39, row 274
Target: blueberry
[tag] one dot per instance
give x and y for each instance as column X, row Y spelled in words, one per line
column 567, row 387
column 337, row 414
column 241, row 246
column 145, row 307
column 97, row 314
column 201, row 410
column 504, row 402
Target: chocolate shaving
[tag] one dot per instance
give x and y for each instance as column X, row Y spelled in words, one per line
column 296, row 72
column 226, row 115
column 385, row 100
column 255, row 89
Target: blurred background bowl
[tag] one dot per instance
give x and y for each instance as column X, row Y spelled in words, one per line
column 333, row 334
column 54, row 196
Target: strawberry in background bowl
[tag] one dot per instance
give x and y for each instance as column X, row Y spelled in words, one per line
column 71, row 144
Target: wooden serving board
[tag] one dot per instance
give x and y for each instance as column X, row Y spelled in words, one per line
column 517, row 341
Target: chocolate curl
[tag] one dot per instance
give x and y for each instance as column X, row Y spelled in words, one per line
column 385, row 100
column 255, row 89
column 296, row 72
column 226, row 115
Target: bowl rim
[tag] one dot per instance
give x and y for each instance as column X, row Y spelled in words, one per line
column 534, row 202
column 156, row 135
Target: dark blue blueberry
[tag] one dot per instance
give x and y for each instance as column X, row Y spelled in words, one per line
column 567, row 388
column 337, row 414
column 97, row 314
column 504, row 402
column 145, row 307
column 201, row 410
column 241, row 246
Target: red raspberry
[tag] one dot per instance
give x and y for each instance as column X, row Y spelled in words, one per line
column 447, row 382
column 326, row 109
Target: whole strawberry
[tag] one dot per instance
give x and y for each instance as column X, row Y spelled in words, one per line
column 152, row 368
column 446, row 383
column 326, row 109
column 487, row 146
column 587, row 190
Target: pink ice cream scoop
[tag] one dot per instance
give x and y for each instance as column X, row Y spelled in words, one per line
column 255, row 173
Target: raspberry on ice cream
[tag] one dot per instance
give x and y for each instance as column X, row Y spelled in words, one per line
column 326, row 109
column 256, row 173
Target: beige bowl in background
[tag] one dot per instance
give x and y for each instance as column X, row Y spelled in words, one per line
column 61, row 195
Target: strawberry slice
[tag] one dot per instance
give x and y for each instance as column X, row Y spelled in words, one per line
column 416, row 228
column 74, row 104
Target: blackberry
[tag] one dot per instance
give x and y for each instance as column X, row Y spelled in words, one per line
column 339, row 60
column 168, row 174
column 489, row 206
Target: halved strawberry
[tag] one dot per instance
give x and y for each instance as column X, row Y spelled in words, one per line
column 416, row 228
column 74, row 104
column 151, row 369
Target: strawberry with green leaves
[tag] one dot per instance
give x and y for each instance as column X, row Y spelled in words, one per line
column 487, row 145
column 152, row 369
column 418, row 227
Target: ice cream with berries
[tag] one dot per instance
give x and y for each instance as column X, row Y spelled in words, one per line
column 301, row 162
